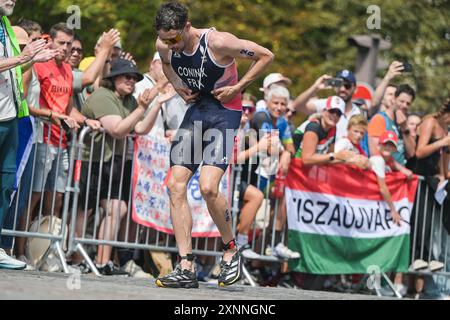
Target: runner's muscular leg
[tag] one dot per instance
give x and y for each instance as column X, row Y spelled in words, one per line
column 179, row 211
column 216, row 202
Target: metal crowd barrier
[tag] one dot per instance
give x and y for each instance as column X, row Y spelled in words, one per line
column 426, row 231
column 136, row 236
column 430, row 239
column 22, row 220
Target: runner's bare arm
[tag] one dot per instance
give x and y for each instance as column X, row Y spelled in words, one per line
column 224, row 45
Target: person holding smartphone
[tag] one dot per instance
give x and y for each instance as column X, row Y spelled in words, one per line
column 344, row 85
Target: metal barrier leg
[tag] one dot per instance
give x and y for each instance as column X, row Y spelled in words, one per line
column 391, row 285
column 44, row 258
column 88, row 260
column 248, row 276
column 61, row 255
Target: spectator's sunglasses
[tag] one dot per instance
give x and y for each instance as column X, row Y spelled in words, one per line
column 131, row 77
column 347, row 85
column 293, row 112
column 173, row 40
column 78, row 50
column 336, row 112
column 248, row 109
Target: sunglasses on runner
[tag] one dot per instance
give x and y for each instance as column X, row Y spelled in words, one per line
column 173, row 40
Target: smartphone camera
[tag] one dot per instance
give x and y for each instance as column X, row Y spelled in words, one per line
column 334, row 82
column 407, row 67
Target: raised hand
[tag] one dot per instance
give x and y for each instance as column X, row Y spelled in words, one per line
column 321, row 83
column 109, row 39
column 32, row 49
column 395, row 69
column 145, row 98
column 45, row 55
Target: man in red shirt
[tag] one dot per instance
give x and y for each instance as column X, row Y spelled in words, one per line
column 52, row 160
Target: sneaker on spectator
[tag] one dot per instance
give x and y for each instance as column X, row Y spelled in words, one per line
column 135, row 271
column 283, row 252
column 419, row 264
column 436, row 265
column 248, row 253
column 84, row 268
column 24, row 259
column 110, row 269
column 6, row 262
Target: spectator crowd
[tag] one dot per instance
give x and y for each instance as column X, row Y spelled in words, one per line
column 49, row 89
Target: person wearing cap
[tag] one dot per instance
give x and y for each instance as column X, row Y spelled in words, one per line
column 83, row 79
column 308, row 104
column 314, row 139
column 201, row 65
column 273, row 79
column 119, row 113
column 384, row 162
column 116, row 51
column 381, row 164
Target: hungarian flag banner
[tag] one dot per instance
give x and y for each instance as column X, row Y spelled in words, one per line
column 340, row 224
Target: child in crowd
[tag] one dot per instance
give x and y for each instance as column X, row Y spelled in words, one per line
column 384, row 162
column 357, row 127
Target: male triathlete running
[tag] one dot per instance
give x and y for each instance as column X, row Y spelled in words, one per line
column 200, row 63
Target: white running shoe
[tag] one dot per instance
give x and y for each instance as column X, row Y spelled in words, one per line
column 419, row 264
column 6, row 262
column 436, row 265
column 283, row 252
column 248, row 253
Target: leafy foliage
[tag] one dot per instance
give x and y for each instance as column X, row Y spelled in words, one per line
column 308, row 37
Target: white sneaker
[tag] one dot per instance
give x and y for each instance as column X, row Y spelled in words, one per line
column 400, row 288
column 6, row 262
column 419, row 264
column 283, row 252
column 436, row 265
column 248, row 253
column 135, row 271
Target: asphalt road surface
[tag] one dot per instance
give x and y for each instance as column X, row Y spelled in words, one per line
column 32, row 285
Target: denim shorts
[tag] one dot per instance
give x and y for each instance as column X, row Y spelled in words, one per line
column 51, row 168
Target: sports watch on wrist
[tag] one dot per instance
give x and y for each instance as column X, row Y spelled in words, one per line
column 331, row 157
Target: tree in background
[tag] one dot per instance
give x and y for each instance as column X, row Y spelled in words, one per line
column 309, row 38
